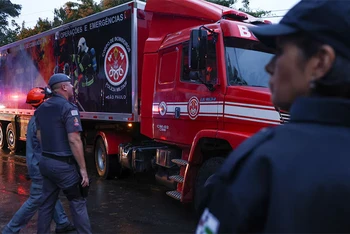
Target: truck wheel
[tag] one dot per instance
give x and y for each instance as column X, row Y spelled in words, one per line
column 2, row 136
column 105, row 164
column 208, row 168
column 11, row 137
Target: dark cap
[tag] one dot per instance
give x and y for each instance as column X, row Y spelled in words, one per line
column 58, row 78
column 327, row 21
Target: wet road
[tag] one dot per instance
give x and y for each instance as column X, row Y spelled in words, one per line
column 132, row 205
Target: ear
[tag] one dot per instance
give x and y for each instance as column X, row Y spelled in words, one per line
column 323, row 62
column 64, row 86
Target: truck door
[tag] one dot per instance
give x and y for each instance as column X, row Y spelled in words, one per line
column 164, row 93
column 187, row 105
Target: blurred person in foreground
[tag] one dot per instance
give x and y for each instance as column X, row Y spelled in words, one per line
column 294, row 177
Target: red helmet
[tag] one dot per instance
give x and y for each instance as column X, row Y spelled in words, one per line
column 36, row 96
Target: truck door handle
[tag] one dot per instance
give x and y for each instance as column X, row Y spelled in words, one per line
column 177, row 112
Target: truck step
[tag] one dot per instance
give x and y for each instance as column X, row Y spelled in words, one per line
column 180, row 162
column 174, row 194
column 177, row 178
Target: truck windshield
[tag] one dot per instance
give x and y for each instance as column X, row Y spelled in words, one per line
column 246, row 61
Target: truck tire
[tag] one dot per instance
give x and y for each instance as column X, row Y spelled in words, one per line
column 3, row 142
column 83, row 140
column 11, row 137
column 105, row 164
column 207, row 169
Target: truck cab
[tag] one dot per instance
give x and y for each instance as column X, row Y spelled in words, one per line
column 210, row 89
column 210, row 81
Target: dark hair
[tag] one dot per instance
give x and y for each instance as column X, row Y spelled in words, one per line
column 55, row 87
column 336, row 83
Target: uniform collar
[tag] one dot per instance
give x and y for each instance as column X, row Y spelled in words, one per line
column 58, row 95
column 331, row 111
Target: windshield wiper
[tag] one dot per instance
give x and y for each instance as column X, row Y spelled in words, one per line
column 236, row 79
column 258, row 86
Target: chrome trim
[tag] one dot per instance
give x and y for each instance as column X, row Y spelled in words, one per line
column 140, row 5
column 83, row 115
column 134, row 60
column 17, row 111
column 284, row 117
column 106, row 116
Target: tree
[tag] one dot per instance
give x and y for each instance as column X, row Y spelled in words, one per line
column 106, row 4
column 226, row 3
column 257, row 13
column 7, row 9
column 42, row 25
column 73, row 11
column 9, row 35
column 69, row 12
column 231, row 3
column 60, row 17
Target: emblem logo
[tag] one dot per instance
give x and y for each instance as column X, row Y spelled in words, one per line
column 116, row 64
column 208, row 223
column 193, row 107
column 76, row 121
column 162, row 108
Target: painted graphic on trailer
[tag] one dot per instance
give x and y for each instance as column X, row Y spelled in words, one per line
column 96, row 55
column 23, row 67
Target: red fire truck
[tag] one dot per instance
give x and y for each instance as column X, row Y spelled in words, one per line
column 168, row 87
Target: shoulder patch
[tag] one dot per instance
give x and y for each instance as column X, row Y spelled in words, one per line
column 74, row 112
column 76, row 122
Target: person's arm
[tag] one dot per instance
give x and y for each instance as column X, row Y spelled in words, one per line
column 37, row 128
column 76, row 146
column 38, row 135
column 73, row 127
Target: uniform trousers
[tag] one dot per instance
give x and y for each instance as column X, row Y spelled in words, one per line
column 59, row 175
column 29, row 207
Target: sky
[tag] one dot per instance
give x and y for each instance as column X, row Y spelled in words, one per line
column 33, row 9
column 277, row 7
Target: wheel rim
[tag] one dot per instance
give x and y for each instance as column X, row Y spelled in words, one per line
column 101, row 159
column 11, row 138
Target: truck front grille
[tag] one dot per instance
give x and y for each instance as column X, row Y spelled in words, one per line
column 284, row 116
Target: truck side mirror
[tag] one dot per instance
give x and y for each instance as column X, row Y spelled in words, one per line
column 198, row 49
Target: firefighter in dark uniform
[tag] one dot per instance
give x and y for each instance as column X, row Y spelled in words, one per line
column 294, row 177
column 86, row 85
column 63, row 164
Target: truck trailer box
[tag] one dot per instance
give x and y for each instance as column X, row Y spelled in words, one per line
column 98, row 52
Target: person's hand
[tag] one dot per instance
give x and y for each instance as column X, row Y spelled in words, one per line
column 85, row 178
